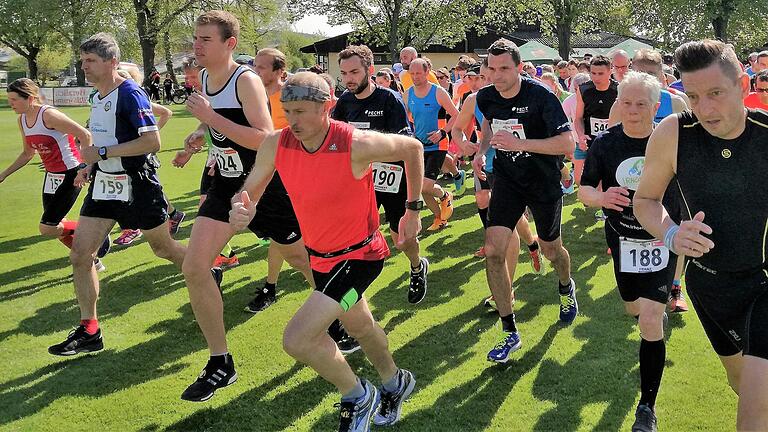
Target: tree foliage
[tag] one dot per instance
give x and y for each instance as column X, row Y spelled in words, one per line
column 25, row 27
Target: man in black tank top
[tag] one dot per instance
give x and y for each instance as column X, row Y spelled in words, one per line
column 233, row 106
column 716, row 157
column 593, row 102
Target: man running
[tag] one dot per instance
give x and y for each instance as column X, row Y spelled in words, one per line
column 526, row 125
column 124, row 186
column 643, row 267
column 424, row 101
column 233, row 106
column 593, row 104
column 326, row 167
column 728, row 210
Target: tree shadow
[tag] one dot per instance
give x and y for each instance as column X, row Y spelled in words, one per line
column 16, row 244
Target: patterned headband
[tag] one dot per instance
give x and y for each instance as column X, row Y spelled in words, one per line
column 297, row 93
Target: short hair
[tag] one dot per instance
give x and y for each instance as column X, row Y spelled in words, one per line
column 384, row 73
column 362, row 51
column 583, row 64
column 547, row 68
column 762, row 76
column 419, row 61
column 619, row 52
column 103, row 45
column 752, row 55
column 465, row 62
column 649, row 82
column 409, row 49
column 278, row 58
column 762, row 54
column 133, row 72
column 429, row 62
column 580, row 78
column 549, row 76
column 330, row 81
column 561, row 64
column 502, row 46
column 228, row 24
column 600, row 60
column 696, row 55
column 573, row 62
column 648, row 57
column 25, row 88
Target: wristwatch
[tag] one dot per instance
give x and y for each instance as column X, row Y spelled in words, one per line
column 82, row 166
column 103, row 153
column 414, row 205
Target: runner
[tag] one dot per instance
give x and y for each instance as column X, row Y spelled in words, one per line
column 58, row 140
column 728, row 209
column 526, row 125
column 643, row 267
column 593, row 104
column 233, row 106
column 407, row 56
column 424, row 101
column 619, row 64
column 326, row 167
column 759, row 99
column 124, row 186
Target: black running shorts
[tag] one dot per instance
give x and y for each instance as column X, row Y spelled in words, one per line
column 507, row 205
column 205, row 181
column 483, row 184
column 652, row 286
column 433, row 163
column 732, row 308
column 146, row 209
column 394, row 204
column 56, row 205
column 348, row 280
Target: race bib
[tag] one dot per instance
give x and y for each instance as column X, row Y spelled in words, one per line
column 511, row 126
column 111, row 187
column 598, row 125
column 228, row 161
column 386, row 177
column 52, row 182
column 361, row 125
column 643, row 256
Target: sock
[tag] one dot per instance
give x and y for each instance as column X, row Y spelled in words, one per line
column 227, row 251
column 508, row 323
column 67, row 240
column 417, row 269
column 91, row 325
column 652, row 356
column 533, row 246
column 270, row 287
column 676, row 282
column 220, row 359
column 393, row 384
column 483, row 216
column 69, row 227
column 356, row 393
column 564, row 289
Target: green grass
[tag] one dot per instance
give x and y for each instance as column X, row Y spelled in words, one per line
column 581, row 377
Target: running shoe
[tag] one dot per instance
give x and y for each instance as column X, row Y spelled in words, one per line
column 104, row 248
column 480, row 252
column 211, row 378
column 264, row 299
column 174, row 222
column 537, row 265
column 645, row 419
column 569, row 307
column 127, row 237
column 225, row 262
column 437, row 225
column 568, row 186
column 100, row 267
column 218, row 276
column 490, row 302
column 446, row 206
column 418, row 287
column 392, row 403
column 676, row 302
column 600, row 216
column 460, row 183
column 78, row 341
column 509, row 343
column 356, row 416
column 346, row 343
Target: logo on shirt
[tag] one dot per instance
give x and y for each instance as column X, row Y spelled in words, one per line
column 145, row 112
column 333, row 147
column 372, row 113
column 519, row 110
column 108, row 106
column 291, row 235
column 218, row 136
column 628, row 173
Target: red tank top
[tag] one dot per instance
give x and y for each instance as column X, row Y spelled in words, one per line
column 58, row 151
column 335, row 210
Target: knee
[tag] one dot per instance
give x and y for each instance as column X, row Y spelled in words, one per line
column 293, row 344
column 164, row 252
column 361, row 329
column 48, row 231
column 550, row 251
column 195, row 270
column 495, row 254
column 296, row 259
column 79, row 257
column 651, row 326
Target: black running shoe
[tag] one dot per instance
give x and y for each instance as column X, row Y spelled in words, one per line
column 392, row 403
column 346, row 343
column 418, row 288
column 212, row 378
column 218, row 276
column 264, row 299
column 78, row 341
column 104, row 248
column 356, row 416
column 645, row 419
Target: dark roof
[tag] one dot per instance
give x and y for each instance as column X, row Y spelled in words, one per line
column 473, row 41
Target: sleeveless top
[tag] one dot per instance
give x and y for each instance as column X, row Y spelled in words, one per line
column 57, row 150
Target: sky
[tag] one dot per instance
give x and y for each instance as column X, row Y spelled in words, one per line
column 319, row 23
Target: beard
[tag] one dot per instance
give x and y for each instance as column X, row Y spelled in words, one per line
column 361, row 86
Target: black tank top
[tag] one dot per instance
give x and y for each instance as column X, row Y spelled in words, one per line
column 597, row 106
column 726, row 180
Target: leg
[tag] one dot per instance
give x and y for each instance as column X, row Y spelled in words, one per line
column 297, row 257
column 513, row 252
column 733, row 365
column 559, row 257
column 753, row 395
column 361, row 325
column 164, row 246
column 578, row 168
column 497, row 239
column 525, row 231
column 90, row 234
column 275, row 264
column 432, row 192
column 409, row 248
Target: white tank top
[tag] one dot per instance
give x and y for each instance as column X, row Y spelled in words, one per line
column 58, row 150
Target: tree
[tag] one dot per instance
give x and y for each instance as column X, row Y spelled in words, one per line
column 25, row 28
column 290, row 44
column 50, row 62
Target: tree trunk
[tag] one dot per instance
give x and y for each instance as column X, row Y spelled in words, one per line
column 32, row 62
column 394, row 42
column 720, row 27
column 564, row 15
column 147, row 37
column 169, row 56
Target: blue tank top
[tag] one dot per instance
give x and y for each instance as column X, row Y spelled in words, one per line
column 491, row 153
column 424, row 111
column 665, row 108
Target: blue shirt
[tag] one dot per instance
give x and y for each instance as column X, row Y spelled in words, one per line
column 665, row 106
column 424, row 111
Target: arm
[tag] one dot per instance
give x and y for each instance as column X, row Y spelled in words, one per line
column 614, row 117
column 162, row 113
column 445, row 101
column 559, row 144
column 578, row 121
column 244, row 202
column 254, row 101
column 478, row 163
column 678, row 104
column 59, row 121
column 462, row 122
column 27, row 153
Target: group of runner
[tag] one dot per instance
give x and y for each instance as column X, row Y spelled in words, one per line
column 309, row 172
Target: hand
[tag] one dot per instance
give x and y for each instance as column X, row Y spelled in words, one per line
column 90, row 154
column 83, row 176
column 435, row 136
column 193, row 143
column 409, row 227
column 504, row 140
column 181, row 158
column 478, row 163
column 199, row 107
column 242, row 211
column 615, row 198
column 583, row 142
column 468, row 147
column 689, row 240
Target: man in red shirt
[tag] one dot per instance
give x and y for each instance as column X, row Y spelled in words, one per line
column 326, row 168
column 759, row 98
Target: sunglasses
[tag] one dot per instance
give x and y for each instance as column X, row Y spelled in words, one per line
column 762, row 90
column 442, row 77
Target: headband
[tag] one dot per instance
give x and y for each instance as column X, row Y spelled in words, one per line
column 298, row 93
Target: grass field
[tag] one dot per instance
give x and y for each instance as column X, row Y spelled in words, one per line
column 581, row 377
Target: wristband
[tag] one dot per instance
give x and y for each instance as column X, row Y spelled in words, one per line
column 669, row 236
column 443, row 133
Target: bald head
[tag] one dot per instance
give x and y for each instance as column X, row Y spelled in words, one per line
column 407, row 55
column 619, row 64
column 419, row 64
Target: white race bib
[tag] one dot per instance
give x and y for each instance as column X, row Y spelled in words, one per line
column 228, row 161
column 598, row 125
column 52, row 182
column 361, row 125
column 386, row 177
column 511, row 126
column 112, row 187
column 643, row 256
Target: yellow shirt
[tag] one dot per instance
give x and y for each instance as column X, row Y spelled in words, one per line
column 276, row 111
column 407, row 81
